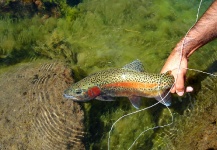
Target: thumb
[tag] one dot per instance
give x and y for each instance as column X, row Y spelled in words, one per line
column 180, row 81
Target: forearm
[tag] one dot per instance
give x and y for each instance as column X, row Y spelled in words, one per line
column 204, row 31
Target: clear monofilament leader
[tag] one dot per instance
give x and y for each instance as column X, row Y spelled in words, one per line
column 162, row 98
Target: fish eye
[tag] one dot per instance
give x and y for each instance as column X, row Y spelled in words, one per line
column 78, row 91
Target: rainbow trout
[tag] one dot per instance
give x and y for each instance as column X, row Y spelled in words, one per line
column 130, row 81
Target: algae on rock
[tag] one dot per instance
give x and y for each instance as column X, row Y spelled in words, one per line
column 34, row 114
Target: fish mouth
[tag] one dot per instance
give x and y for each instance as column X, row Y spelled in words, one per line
column 71, row 97
column 74, row 98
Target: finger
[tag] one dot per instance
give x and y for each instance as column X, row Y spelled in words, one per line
column 180, row 84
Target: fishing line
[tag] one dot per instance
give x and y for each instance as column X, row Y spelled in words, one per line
column 162, row 99
column 138, row 112
column 179, row 68
column 200, row 71
column 183, row 43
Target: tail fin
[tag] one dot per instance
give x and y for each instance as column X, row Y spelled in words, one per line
column 164, row 98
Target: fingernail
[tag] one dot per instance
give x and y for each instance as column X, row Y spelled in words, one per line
column 180, row 93
column 189, row 89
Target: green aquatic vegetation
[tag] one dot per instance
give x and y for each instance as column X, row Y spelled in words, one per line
column 126, row 30
column 124, row 132
column 66, row 8
column 189, row 130
column 18, row 37
column 104, row 33
column 6, row 37
column 54, row 46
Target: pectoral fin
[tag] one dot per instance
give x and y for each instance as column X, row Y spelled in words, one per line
column 165, row 98
column 135, row 101
column 104, row 98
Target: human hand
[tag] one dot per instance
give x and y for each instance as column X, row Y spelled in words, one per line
column 178, row 67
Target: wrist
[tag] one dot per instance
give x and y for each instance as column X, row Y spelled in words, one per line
column 186, row 47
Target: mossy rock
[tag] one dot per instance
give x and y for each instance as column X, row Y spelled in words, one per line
column 33, row 112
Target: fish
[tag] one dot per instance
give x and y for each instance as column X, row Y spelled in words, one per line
column 129, row 81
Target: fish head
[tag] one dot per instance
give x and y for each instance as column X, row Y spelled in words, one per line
column 82, row 94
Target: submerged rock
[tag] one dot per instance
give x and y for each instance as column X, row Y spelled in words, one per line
column 33, row 112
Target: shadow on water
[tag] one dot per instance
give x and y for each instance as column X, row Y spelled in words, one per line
column 17, row 56
column 73, row 3
column 101, row 115
column 98, row 127
column 195, row 80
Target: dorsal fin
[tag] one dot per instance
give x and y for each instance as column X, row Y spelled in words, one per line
column 167, row 73
column 136, row 65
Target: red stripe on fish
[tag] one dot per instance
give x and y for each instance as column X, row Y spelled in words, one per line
column 136, row 85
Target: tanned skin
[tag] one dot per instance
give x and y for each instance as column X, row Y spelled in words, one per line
column 204, row 31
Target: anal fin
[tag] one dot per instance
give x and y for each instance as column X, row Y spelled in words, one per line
column 164, row 98
column 135, row 101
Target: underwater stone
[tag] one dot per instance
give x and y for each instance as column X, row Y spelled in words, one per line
column 33, row 112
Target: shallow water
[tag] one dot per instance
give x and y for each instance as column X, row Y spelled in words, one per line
column 103, row 34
